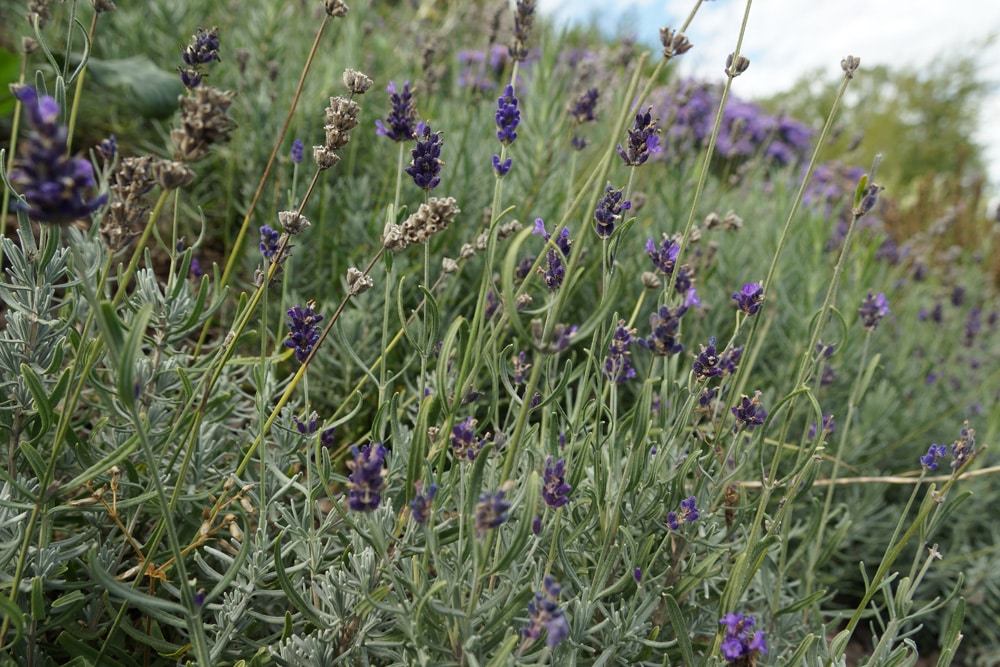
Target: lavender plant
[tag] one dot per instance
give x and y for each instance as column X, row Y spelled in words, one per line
column 499, row 475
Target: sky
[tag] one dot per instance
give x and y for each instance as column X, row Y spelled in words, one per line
column 787, row 38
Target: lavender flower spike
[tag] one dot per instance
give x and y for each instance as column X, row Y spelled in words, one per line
column 546, row 614
column 643, row 140
column 303, row 330
column 400, row 124
column 749, row 298
column 740, row 647
column 367, row 477
column 555, row 491
column 52, row 182
column 426, row 164
column 872, row 310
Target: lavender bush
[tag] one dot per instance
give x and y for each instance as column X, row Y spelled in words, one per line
column 542, row 384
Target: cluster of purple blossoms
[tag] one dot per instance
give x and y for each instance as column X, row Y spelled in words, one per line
column 401, row 123
column 664, row 258
column 741, row 642
column 709, row 363
column 520, row 366
column 491, row 511
column 609, row 211
column 268, row 241
column 872, row 310
column 687, row 514
column 463, row 440
column 426, row 164
column 203, row 49
column 524, row 12
column 643, row 140
column 422, row 502
column 303, row 331
column 508, row 117
column 749, row 298
column 930, row 459
column 746, row 130
column 545, row 614
column 665, row 324
column 52, row 182
column 298, row 151
column 555, row 490
column 556, row 270
column 617, row 366
column 749, row 413
column 367, row 477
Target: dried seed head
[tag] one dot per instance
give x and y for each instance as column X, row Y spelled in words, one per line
column 482, row 240
column 336, row 8
column 324, row 157
column 392, row 237
column 293, row 222
column 356, row 82
column 522, row 301
column 736, row 65
column 448, row 265
column 850, row 66
column 712, row 221
column 204, row 120
column 732, row 222
column 650, row 280
column 508, row 229
column 171, row 175
column 466, row 251
column 103, row 6
column 674, row 43
column 358, row 282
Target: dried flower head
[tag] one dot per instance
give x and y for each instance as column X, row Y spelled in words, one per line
column 358, row 282
column 170, row 174
column 335, row 8
column 204, row 121
column 674, row 43
column 128, row 211
column 293, row 222
column 736, row 65
column 850, row 65
column 433, row 216
column 357, row 82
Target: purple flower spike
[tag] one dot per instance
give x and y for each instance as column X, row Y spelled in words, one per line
column 422, row 503
column 491, row 511
column 872, row 310
column 303, row 330
column 617, row 366
column 749, row 413
column 52, row 182
column 401, row 123
column 930, row 459
column 741, row 645
column 367, row 477
column 665, row 324
column 749, row 298
column 609, row 210
column 501, row 168
column 426, row 164
column 546, row 614
column 643, row 140
column 508, row 116
column 555, row 491
column 297, row 151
